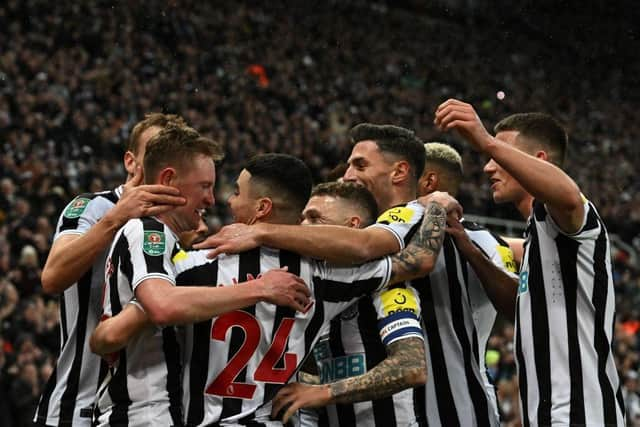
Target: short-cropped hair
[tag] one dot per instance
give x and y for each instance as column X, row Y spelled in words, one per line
column 357, row 195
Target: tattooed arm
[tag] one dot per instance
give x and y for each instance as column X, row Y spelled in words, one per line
column 404, row 367
column 419, row 257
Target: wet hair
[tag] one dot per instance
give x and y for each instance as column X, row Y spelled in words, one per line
column 178, row 146
column 150, row 120
column 400, row 142
column 283, row 176
column 356, row 195
column 538, row 128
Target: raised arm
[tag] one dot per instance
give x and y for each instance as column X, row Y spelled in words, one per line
column 72, row 255
column 336, row 244
column 540, row 178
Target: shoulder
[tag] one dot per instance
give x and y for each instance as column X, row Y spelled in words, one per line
column 403, row 214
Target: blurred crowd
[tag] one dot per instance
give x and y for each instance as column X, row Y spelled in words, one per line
column 280, row 76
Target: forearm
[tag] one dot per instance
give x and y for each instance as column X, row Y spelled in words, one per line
column 543, row 180
column 114, row 333
column 72, row 256
column 337, row 245
column 191, row 304
column 419, row 257
column 500, row 287
column 405, row 367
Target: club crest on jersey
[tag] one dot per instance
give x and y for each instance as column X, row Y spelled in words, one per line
column 153, row 243
column 401, row 214
column 76, row 207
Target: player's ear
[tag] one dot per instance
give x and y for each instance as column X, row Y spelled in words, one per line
column 264, row 207
column 401, row 171
column 354, row 222
column 542, row 155
column 130, row 163
column 167, row 176
column 428, row 183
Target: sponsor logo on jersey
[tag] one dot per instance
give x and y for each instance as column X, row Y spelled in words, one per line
column 153, row 243
column 523, row 284
column 507, row 258
column 76, row 207
column 342, row 367
column 398, row 300
column 401, row 214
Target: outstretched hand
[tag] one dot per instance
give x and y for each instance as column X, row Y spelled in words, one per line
column 294, row 396
column 145, row 200
column 462, row 117
column 231, row 239
column 283, row 288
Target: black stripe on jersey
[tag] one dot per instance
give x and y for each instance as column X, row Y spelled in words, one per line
column 593, row 221
column 375, row 352
column 72, row 223
column 345, row 412
column 171, row 350
column 601, row 342
column 118, row 389
column 249, row 264
column 420, row 405
column 292, row 261
column 444, row 396
column 412, row 231
column 68, row 400
column 43, row 405
column 334, row 291
column 155, row 264
column 540, row 327
column 63, row 320
column 522, row 374
column 111, row 196
column 476, row 389
column 206, row 273
column 568, row 254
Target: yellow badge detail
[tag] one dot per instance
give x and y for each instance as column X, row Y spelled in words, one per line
column 401, row 214
column 507, row 258
column 398, row 299
column 584, row 199
column 181, row 255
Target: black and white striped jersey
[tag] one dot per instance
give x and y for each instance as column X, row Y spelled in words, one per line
column 564, row 325
column 458, row 319
column 69, row 395
column 356, row 340
column 143, row 387
column 235, row 363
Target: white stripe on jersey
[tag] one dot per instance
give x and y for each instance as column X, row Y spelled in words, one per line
column 248, row 356
column 564, row 325
column 70, row 391
column 144, row 387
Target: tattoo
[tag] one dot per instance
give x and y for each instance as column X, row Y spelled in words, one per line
column 425, row 244
column 404, row 367
column 306, row 378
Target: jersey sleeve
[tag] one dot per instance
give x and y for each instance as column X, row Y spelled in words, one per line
column 498, row 252
column 81, row 214
column 398, row 313
column 401, row 220
column 150, row 252
column 589, row 228
column 193, row 268
column 339, row 287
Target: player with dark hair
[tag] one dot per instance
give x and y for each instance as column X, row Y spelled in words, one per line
column 391, row 178
column 565, row 305
column 75, row 269
column 273, row 341
column 144, row 386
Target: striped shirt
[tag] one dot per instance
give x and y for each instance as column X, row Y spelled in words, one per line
column 69, row 395
column 356, row 340
column 458, row 318
column 564, row 325
column 143, row 387
column 235, row 363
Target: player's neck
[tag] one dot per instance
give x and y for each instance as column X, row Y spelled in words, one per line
column 398, row 197
column 525, row 205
